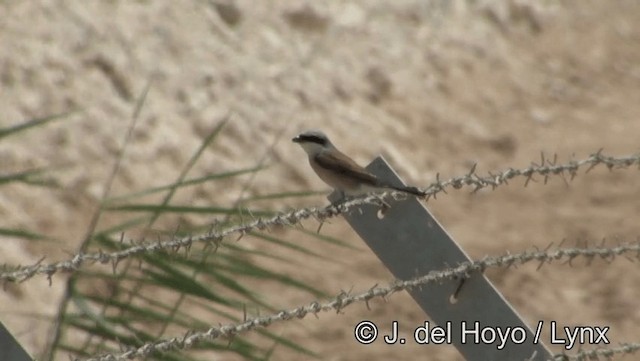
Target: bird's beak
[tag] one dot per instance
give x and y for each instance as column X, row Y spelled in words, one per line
column 296, row 139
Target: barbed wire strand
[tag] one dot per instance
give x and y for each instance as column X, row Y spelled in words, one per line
column 631, row 251
column 608, row 353
column 546, row 168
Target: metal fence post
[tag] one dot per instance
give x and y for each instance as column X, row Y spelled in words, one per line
column 411, row 242
column 10, row 349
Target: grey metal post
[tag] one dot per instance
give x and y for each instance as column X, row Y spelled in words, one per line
column 411, row 242
column 10, row 349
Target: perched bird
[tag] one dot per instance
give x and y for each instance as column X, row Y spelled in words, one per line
column 341, row 172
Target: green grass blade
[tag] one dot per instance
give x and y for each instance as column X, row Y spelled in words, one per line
column 4, row 132
column 31, row 177
column 186, row 183
column 286, row 244
column 208, row 139
column 329, row 239
column 284, row 195
column 23, row 234
column 160, row 209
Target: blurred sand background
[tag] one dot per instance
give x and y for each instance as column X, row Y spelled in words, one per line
column 434, row 86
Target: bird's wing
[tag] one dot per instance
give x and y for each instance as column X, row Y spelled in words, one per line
column 346, row 166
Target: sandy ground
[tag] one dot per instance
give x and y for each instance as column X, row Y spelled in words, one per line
column 435, row 86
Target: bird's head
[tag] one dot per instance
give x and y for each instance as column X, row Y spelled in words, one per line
column 313, row 141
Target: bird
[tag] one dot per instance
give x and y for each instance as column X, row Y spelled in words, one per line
column 341, row 172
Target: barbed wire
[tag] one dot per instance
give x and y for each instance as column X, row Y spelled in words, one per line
column 630, row 250
column 595, row 354
column 546, row 168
